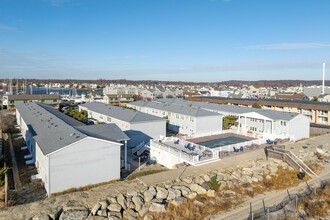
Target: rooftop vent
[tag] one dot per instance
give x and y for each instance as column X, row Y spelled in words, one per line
column 78, row 136
column 55, row 125
column 72, row 134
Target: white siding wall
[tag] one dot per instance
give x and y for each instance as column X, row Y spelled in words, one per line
column 26, row 134
column 153, row 128
column 165, row 158
column 89, row 161
column 42, row 163
column 299, row 127
column 187, row 124
column 281, row 127
column 208, row 124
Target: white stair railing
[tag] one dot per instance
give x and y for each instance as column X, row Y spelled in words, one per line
column 302, row 163
column 138, row 147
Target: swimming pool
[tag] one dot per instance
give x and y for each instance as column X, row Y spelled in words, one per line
column 222, row 142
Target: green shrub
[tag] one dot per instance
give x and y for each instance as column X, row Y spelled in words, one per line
column 214, row 184
column 229, row 120
column 3, row 171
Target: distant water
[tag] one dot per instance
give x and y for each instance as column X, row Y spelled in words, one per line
column 55, row 91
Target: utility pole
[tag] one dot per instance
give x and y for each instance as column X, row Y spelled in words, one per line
column 17, row 87
column 10, row 87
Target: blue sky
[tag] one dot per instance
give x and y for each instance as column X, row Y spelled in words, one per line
column 188, row 40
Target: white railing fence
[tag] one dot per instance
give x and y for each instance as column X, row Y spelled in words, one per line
column 138, row 147
column 230, row 148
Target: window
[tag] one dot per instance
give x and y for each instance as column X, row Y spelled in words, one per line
column 54, row 100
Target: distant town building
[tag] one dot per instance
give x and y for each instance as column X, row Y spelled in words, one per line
column 324, row 98
column 120, row 100
column 11, row 101
column 315, row 91
column 318, row 112
column 291, row 96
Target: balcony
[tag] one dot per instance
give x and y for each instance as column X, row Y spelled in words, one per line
column 322, row 114
column 322, row 122
column 307, row 112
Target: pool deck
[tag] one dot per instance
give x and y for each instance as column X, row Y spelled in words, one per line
column 193, row 151
column 219, row 136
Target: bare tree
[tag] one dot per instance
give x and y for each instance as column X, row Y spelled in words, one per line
column 7, row 121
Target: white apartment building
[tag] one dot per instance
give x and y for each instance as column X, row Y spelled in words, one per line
column 183, row 119
column 262, row 122
column 137, row 125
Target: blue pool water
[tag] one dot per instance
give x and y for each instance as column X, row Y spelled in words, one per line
column 222, row 142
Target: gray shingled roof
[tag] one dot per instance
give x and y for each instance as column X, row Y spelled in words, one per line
column 50, row 132
column 275, row 115
column 179, row 109
column 54, row 130
column 120, row 113
column 109, row 132
column 67, row 119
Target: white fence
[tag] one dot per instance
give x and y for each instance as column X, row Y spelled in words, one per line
column 138, row 147
column 230, row 148
column 189, row 158
column 203, row 135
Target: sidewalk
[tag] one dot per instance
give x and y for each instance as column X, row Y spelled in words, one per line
column 197, row 170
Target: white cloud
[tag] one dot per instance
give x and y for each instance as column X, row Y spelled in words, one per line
column 287, row 46
column 7, row 28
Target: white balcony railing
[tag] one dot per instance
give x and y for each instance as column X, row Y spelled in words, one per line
column 321, row 114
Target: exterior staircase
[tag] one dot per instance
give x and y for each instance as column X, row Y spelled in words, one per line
column 290, row 158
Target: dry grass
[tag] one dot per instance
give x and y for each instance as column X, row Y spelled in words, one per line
column 222, row 202
column 317, row 205
column 283, row 180
column 144, row 173
column 191, row 211
column 314, row 166
column 84, row 188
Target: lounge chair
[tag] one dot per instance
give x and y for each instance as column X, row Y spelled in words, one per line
column 236, row 150
column 268, row 141
column 241, row 148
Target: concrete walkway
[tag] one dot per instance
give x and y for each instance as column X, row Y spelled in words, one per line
column 226, row 162
column 18, row 185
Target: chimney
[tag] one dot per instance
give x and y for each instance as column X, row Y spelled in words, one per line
column 323, row 78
